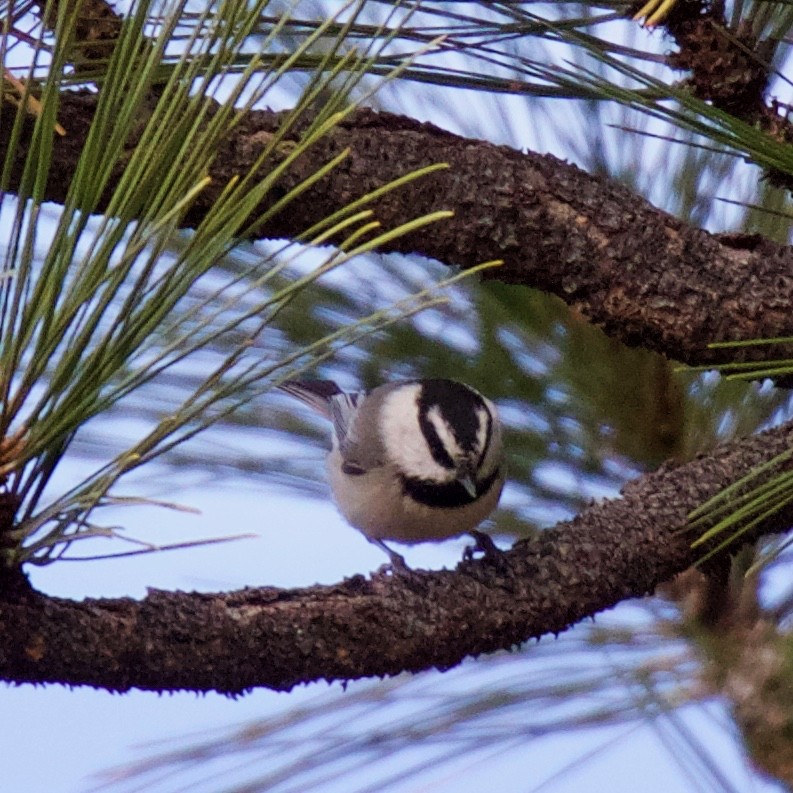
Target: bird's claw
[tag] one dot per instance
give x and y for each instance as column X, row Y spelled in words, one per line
column 397, row 565
column 485, row 545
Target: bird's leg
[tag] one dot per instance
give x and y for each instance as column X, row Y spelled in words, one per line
column 398, row 563
column 485, row 544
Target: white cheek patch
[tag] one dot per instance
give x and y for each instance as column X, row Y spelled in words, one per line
column 403, row 439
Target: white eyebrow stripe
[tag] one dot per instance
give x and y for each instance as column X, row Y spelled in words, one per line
column 405, row 444
column 445, row 434
column 483, row 432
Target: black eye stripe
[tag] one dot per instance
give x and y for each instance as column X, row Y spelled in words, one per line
column 352, row 469
column 459, row 407
column 446, row 496
column 435, row 444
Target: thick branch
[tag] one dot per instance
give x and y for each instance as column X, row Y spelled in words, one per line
column 645, row 277
column 278, row 638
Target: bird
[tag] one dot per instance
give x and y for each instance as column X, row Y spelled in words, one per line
column 411, row 461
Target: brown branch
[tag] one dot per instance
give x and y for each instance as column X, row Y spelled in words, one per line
column 362, row 627
column 648, row 279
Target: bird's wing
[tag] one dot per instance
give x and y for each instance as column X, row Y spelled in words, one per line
column 343, row 407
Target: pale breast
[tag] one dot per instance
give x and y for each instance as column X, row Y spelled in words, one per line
column 375, row 504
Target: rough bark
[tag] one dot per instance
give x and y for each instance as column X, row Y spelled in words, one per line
column 384, row 625
column 647, row 278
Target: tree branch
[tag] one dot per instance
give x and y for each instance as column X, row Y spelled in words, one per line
column 648, row 279
column 384, row 625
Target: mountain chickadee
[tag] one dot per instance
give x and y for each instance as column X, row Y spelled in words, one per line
column 412, row 461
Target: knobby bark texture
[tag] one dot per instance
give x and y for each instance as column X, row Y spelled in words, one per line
column 645, row 277
column 385, row 624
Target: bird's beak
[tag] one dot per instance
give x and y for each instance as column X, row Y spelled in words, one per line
column 466, row 480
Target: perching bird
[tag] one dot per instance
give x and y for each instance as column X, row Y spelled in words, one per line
column 412, row 461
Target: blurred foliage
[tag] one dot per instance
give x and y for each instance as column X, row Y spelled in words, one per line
column 583, row 413
column 98, row 306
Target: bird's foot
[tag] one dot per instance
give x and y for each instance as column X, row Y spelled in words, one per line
column 485, row 545
column 397, row 564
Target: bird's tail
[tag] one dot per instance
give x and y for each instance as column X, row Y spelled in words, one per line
column 314, row 393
